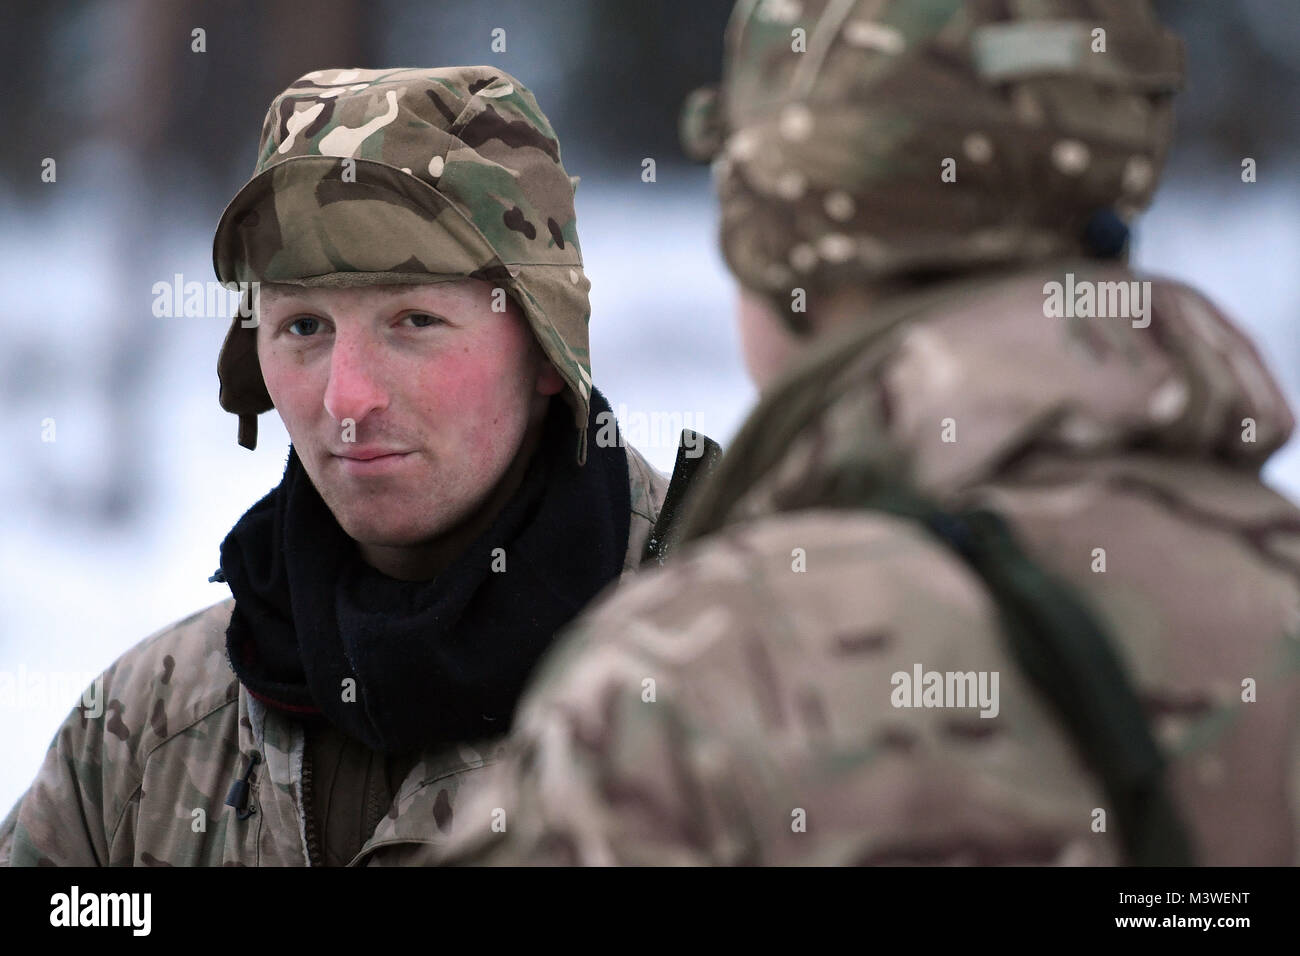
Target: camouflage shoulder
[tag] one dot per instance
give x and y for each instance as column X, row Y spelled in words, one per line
column 151, row 693
column 745, row 704
column 172, row 678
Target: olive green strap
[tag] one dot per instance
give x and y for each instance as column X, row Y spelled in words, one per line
column 1066, row 654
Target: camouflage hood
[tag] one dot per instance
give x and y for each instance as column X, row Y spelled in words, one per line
column 855, row 140
column 408, row 175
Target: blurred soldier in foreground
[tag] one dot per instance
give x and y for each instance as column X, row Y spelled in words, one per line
column 446, row 507
column 989, row 575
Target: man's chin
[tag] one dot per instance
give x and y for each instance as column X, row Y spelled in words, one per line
column 403, row 521
column 400, row 521
column 381, row 535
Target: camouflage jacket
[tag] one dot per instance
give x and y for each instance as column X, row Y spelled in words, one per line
column 146, row 783
column 765, row 698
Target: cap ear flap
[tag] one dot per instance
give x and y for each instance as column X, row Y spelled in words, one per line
column 247, row 435
column 700, row 125
column 242, row 388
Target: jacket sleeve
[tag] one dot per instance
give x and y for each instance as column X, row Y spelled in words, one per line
column 7, row 833
column 82, row 809
column 60, row 820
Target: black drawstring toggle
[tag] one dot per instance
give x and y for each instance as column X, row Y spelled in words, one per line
column 238, row 795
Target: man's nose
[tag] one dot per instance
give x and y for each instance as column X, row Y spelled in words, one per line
column 355, row 386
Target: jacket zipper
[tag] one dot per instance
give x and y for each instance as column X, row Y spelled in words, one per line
column 309, row 823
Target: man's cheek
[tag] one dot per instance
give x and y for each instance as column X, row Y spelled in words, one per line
column 296, row 405
column 469, row 390
column 287, row 380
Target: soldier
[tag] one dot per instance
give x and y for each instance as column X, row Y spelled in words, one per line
column 441, row 514
column 989, row 574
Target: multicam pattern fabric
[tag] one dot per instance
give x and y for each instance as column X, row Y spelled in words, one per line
column 855, row 140
column 740, row 705
column 408, row 175
column 145, row 784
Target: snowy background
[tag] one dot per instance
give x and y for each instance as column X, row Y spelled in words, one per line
column 113, row 528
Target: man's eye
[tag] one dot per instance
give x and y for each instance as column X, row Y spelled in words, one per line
column 423, row 320
column 304, row 325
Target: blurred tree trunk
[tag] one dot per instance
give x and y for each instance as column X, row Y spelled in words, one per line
column 169, row 113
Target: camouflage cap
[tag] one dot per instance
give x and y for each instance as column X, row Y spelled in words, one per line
column 408, row 175
column 867, row 139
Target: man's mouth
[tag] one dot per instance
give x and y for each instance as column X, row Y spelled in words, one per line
column 369, row 453
column 370, row 460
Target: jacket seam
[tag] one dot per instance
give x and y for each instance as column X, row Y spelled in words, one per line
column 144, row 767
column 395, row 841
column 430, row 781
column 424, row 785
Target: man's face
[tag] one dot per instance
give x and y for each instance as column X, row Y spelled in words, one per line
column 765, row 341
column 406, row 404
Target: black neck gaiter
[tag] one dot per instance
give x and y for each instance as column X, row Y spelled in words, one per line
column 405, row 666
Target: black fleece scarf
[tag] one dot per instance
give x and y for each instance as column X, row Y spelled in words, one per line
column 432, row 662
